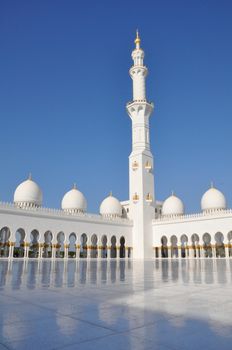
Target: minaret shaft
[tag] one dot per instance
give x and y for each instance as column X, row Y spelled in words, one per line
column 142, row 196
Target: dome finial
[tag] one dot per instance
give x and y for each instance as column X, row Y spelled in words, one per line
column 29, row 176
column 211, row 184
column 75, row 186
column 137, row 40
column 111, row 193
column 173, row 193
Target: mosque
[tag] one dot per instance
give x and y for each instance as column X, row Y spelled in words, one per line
column 139, row 228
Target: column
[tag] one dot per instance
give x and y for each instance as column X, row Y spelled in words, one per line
column 77, row 246
column 41, row 245
column 213, row 246
column 117, row 252
column 227, row 251
column 108, row 252
column 26, row 250
column 89, row 248
column 202, row 251
column 99, row 252
column 66, row 247
column 126, row 253
column 160, row 252
column 53, row 251
column 179, row 252
column 191, row 252
column 11, row 251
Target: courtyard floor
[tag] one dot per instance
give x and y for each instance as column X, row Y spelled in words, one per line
column 162, row 304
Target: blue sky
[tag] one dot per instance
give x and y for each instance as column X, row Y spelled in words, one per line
column 64, row 84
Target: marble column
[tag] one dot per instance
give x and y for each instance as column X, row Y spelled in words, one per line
column 108, row 252
column 126, row 253
column 54, row 251
column 118, row 252
column 41, row 245
column 202, row 250
column 26, row 250
column 66, row 247
column 89, row 249
column 179, row 252
column 191, row 252
column 99, row 252
column 213, row 246
column 227, row 251
column 77, row 246
column 160, row 252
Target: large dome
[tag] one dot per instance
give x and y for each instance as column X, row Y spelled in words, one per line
column 173, row 206
column 111, row 207
column 213, row 199
column 28, row 194
column 74, row 201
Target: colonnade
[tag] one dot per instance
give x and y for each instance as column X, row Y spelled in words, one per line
column 61, row 245
column 195, row 246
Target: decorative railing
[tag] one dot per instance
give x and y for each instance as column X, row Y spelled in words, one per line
column 210, row 213
column 61, row 213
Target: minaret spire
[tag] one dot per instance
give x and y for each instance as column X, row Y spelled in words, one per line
column 137, row 40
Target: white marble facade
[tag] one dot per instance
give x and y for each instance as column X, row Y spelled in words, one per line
column 140, row 227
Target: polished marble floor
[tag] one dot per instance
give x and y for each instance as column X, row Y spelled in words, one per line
column 163, row 304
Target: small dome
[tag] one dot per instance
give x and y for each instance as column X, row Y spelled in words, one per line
column 173, row 206
column 213, row 199
column 111, row 207
column 28, row 194
column 74, row 201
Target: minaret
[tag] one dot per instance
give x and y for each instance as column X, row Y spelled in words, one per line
column 141, row 178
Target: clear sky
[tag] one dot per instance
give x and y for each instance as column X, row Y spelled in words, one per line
column 64, row 84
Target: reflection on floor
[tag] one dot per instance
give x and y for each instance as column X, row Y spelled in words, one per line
column 161, row 304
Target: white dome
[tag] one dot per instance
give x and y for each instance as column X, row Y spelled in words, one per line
column 74, row 201
column 28, row 194
column 173, row 206
column 111, row 206
column 213, row 199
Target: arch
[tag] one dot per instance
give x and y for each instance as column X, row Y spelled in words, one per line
column 19, row 243
column 83, row 245
column 184, row 246
column 195, row 245
column 94, row 246
column 113, row 247
column 122, row 251
column 219, row 245
column 164, row 247
column 47, row 250
column 174, row 247
column 4, row 242
column 60, row 245
column 207, row 245
column 34, row 245
column 104, row 246
column 72, row 239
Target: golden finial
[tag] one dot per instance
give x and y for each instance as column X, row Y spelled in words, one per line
column 173, row 193
column 29, row 176
column 137, row 40
column 111, row 194
column 211, row 184
column 74, row 186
